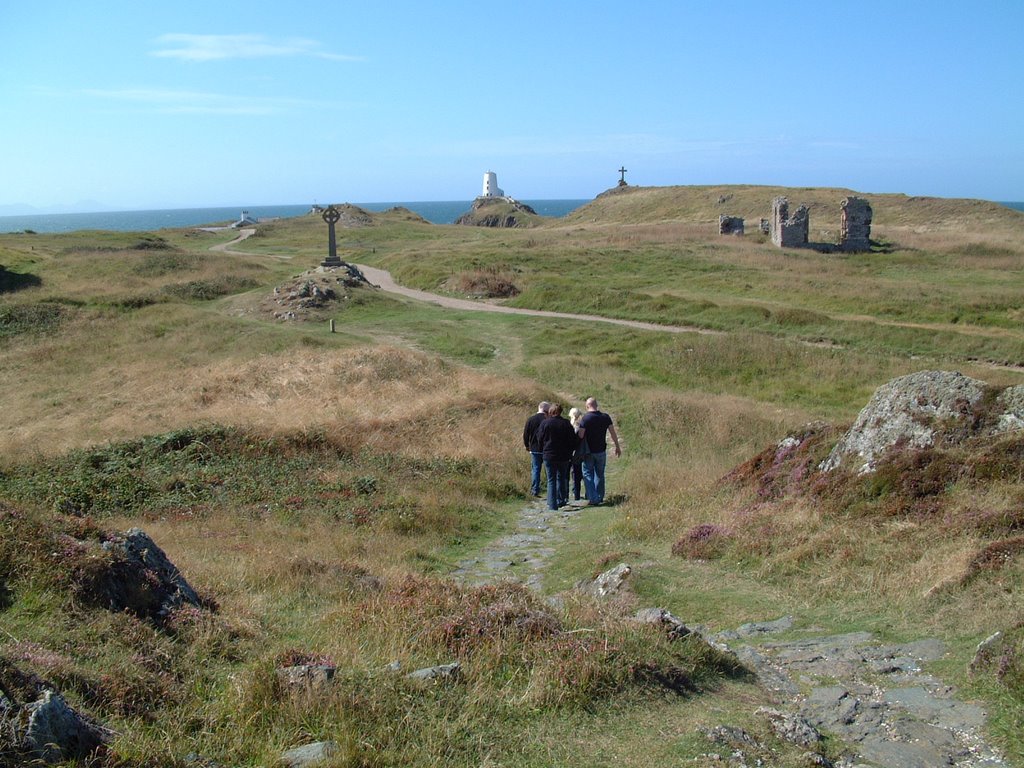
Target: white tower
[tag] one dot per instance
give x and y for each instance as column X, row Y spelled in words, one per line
column 491, row 185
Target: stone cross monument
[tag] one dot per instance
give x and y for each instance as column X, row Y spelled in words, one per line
column 331, row 216
column 622, row 177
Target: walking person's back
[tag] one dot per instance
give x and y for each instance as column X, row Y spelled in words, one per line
column 594, row 429
column 558, row 441
column 532, row 444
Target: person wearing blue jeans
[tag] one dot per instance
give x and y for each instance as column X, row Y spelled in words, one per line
column 558, row 442
column 594, row 428
column 531, row 444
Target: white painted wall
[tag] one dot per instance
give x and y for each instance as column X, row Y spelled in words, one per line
column 491, row 185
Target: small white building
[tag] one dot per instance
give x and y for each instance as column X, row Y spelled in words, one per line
column 491, row 185
column 245, row 220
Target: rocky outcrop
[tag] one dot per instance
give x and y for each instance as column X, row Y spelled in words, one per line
column 309, row 755
column 904, row 717
column 138, row 577
column 46, row 731
column 353, row 216
column 498, row 212
column 611, row 582
column 912, row 411
column 304, row 295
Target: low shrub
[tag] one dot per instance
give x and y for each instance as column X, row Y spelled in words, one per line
column 159, row 262
column 206, row 290
column 42, row 317
column 703, row 542
column 491, row 283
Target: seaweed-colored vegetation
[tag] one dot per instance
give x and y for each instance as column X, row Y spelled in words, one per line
column 40, row 317
column 195, row 472
column 205, row 290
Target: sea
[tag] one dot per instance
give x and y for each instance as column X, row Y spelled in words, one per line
column 438, row 212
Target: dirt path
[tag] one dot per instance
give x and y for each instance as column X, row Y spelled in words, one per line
column 243, row 234
column 385, row 282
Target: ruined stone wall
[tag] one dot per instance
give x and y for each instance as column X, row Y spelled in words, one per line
column 855, row 225
column 730, row 225
column 789, row 231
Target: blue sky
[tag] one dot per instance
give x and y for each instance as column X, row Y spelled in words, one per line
column 192, row 104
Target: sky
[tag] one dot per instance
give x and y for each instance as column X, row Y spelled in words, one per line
column 136, row 105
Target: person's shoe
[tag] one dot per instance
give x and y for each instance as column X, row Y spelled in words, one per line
column 593, row 503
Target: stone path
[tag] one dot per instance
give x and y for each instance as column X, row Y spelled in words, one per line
column 523, row 554
column 873, row 696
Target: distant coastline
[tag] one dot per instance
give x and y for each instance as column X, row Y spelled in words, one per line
column 436, row 212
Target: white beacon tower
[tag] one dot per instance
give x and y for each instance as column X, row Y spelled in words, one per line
column 491, row 185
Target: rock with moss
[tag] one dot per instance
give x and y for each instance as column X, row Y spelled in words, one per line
column 912, row 412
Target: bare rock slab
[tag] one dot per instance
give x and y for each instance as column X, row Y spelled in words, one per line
column 309, row 755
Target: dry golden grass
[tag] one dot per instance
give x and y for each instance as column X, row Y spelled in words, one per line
column 398, row 399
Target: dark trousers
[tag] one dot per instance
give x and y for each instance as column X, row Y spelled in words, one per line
column 536, row 460
column 577, row 476
column 558, row 483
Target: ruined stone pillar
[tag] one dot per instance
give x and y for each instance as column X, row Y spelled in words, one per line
column 789, row 231
column 855, row 225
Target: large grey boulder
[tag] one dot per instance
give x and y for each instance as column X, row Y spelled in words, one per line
column 47, row 731
column 905, row 412
column 142, row 579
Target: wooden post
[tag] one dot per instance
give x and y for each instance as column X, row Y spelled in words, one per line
column 332, row 325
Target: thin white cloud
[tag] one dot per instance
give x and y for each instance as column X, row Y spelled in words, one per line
column 638, row 143
column 199, row 102
column 220, row 47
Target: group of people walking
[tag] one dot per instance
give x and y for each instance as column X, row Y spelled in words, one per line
column 577, row 446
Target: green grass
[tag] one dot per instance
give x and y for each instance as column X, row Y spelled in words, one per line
column 285, row 469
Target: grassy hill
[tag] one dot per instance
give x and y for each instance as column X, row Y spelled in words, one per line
column 704, row 204
column 318, row 487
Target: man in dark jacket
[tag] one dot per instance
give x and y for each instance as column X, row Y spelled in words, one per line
column 530, row 441
column 558, row 441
